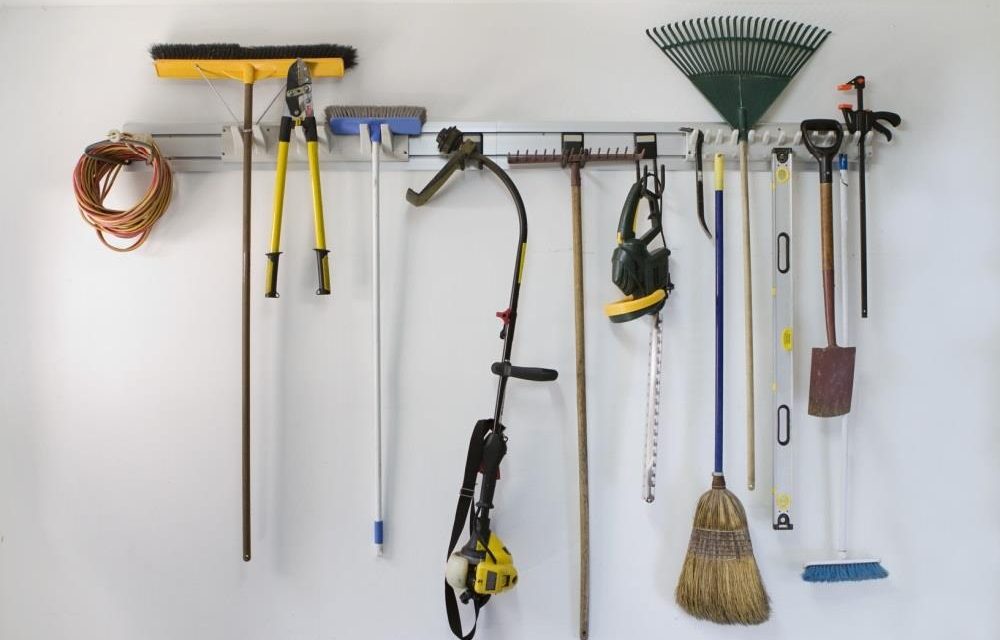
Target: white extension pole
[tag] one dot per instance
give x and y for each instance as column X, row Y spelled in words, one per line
column 845, row 336
column 376, row 346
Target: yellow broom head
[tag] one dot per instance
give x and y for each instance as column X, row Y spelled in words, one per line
column 720, row 580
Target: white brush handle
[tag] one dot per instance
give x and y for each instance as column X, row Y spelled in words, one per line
column 377, row 348
column 844, row 332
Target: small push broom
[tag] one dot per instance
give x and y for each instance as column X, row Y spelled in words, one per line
column 741, row 65
column 844, row 568
column 720, row 580
column 376, row 127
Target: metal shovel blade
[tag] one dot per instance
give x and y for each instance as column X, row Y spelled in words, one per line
column 831, row 381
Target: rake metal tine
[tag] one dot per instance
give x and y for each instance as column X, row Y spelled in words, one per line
column 757, row 48
column 774, row 49
column 678, row 51
column 789, row 61
column 727, row 32
column 714, row 50
column 741, row 33
column 703, row 42
column 780, row 34
column 808, row 46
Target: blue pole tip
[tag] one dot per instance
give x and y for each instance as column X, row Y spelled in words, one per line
column 378, row 532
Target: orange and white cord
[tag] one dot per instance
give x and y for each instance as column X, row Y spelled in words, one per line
column 95, row 174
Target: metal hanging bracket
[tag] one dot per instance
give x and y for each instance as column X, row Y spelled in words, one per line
column 218, row 147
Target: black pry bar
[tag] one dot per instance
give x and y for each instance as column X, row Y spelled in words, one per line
column 699, row 142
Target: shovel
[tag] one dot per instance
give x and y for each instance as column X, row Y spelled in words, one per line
column 831, row 380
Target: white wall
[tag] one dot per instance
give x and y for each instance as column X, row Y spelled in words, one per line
column 119, row 388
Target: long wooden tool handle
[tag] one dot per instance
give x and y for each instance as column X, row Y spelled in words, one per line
column 826, row 237
column 748, row 316
column 581, row 403
column 247, row 166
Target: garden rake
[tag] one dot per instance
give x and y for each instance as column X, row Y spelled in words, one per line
column 741, row 65
column 574, row 155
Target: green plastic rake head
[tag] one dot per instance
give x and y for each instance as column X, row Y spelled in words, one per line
column 740, row 64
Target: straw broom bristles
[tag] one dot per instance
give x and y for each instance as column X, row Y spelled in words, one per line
column 720, row 580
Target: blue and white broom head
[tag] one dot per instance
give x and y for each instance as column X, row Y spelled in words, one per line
column 844, row 570
column 401, row 120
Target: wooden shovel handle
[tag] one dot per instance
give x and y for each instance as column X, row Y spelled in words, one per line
column 826, row 236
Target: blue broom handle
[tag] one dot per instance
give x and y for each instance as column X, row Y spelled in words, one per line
column 719, row 168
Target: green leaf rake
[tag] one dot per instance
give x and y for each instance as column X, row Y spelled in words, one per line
column 740, row 64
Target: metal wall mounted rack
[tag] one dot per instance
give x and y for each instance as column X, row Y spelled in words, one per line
column 218, row 147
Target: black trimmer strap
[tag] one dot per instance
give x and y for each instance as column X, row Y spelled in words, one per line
column 463, row 514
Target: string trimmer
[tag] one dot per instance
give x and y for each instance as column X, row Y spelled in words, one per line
column 575, row 156
column 740, row 65
column 863, row 121
column 483, row 566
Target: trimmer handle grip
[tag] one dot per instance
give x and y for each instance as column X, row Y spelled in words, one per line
column 534, row 374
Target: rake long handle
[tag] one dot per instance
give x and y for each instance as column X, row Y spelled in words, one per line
column 748, row 315
column 245, row 338
column 581, row 401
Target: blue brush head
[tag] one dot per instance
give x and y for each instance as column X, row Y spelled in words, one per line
column 347, row 120
column 844, row 572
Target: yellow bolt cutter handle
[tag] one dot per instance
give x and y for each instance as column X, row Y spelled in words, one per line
column 322, row 254
column 274, row 252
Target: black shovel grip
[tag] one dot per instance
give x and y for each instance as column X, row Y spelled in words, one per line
column 534, row 374
column 823, row 153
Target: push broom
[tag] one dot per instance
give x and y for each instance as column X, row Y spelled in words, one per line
column 227, row 61
column 720, row 580
column 741, row 65
column 844, row 569
column 376, row 126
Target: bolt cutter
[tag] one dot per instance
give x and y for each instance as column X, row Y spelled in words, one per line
column 298, row 112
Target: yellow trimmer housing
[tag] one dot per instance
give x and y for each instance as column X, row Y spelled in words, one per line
column 496, row 572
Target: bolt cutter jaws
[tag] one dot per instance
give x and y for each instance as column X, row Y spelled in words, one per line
column 298, row 91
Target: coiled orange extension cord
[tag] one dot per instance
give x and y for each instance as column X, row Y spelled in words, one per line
column 94, row 176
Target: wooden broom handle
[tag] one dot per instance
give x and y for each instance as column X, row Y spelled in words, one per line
column 581, row 401
column 245, row 315
column 748, row 316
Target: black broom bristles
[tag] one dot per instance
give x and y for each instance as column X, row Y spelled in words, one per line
column 232, row 51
